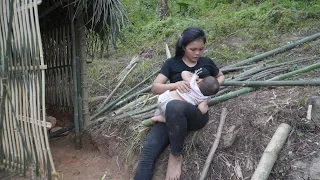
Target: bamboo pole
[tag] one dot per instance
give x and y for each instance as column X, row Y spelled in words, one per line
column 270, row 154
column 14, row 90
column 7, row 27
column 249, row 89
column 75, row 86
column 271, row 83
column 275, row 51
column 130, row 105
column 167, row 51
column 42, row 89
column 28, row 86
column 215, row 145
column 120, row 103
column 84, row 69
column 37, row 85
column 116, row 88
column 79, row 78
column 23, row 50
column 226, row 70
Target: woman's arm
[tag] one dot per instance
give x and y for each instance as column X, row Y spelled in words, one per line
column 220, row 77
column 160, row 85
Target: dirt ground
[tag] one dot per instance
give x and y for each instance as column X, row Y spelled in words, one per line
column 87, row 163
column 256, row 116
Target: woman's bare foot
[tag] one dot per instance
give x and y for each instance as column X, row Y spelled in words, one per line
column 158, row 118
column 174, row 167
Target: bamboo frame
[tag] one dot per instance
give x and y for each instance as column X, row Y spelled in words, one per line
column 24, row 140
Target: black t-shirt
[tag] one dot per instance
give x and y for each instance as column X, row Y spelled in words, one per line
column 173, row 67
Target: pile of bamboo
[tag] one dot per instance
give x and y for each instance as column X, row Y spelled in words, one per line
column 246, row 75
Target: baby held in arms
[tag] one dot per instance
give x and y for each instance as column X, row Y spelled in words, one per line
column 202, row 86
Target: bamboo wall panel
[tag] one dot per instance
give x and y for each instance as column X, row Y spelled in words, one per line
column 24, row 139
column 58, row 57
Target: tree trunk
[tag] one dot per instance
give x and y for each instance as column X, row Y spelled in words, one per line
column 163, row 9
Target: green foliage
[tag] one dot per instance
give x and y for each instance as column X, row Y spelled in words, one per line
column 257, row 23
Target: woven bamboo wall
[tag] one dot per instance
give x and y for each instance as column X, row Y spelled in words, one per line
column 24, row 142
column 58, row 58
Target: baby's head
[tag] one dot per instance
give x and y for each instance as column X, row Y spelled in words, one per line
column 209, row 86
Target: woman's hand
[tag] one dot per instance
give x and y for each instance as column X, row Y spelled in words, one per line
column 182, row 86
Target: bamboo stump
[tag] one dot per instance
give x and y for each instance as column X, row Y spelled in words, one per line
column 315, row 110
column 270, row 154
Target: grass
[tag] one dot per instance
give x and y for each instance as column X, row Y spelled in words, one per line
column 235, row 31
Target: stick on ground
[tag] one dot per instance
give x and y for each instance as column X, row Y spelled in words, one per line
column 215, row 145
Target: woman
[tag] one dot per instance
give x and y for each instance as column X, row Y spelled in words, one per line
column 180, row 115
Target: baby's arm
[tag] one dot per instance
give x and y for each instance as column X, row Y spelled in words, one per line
column 203, row 107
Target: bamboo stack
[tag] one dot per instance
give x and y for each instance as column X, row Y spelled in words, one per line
column 24, row 140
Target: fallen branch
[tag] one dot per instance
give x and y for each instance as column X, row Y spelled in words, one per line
column 275, row 51
column 270, row 154
column 215, row 145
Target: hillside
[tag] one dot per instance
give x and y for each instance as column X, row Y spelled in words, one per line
column 235, row 31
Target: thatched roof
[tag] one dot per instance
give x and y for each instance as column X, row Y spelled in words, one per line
column 104, row 17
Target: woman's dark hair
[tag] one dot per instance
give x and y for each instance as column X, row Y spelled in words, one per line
column 190, row 34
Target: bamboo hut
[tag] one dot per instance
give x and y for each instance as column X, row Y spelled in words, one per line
column 43, row 66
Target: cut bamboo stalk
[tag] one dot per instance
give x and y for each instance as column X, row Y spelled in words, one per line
column 121, row 102
column 309, row 112
column 77, row 45
column 249, row 89
column 84, row 69
column 75, row 86
column 270, row 154
column 275, row 51
column 215, row 145
column 123, row 73
column 116, row 88
column 271, row 83
column 129, row 105
column 117, row 103
column 167, row 51
column 226, row 70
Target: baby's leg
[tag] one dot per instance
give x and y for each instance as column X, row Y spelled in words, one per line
column 158, row 118
column 203, row 107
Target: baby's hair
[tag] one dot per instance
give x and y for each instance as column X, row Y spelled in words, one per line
column 209, row 86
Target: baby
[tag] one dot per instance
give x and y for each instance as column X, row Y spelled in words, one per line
column 199, row 92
